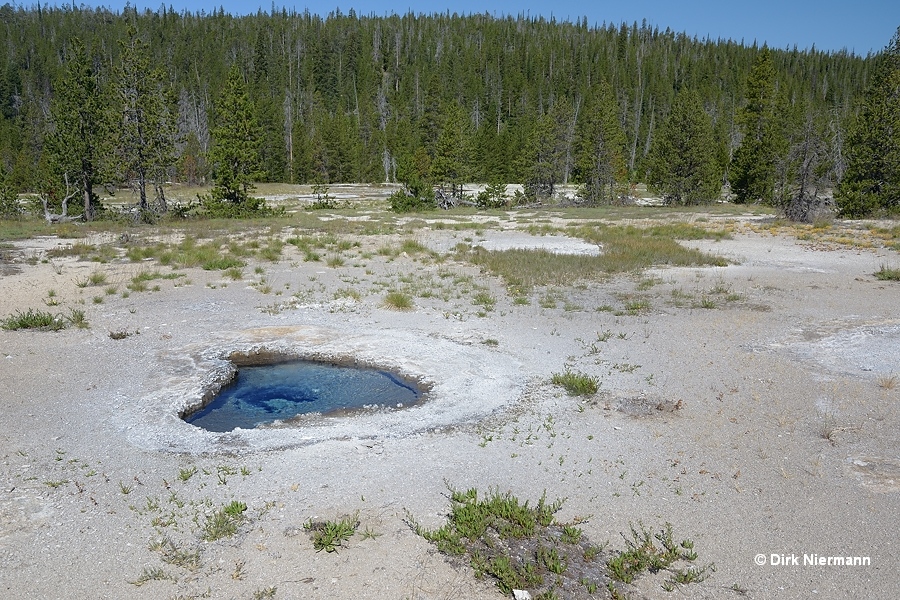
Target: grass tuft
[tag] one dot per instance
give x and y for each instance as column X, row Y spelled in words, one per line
column 888, row 382
column 224, row 522
column 576, row 384
column 398, row 301
column 886, row 273
column 330, row 535
column 76, row 317
column 151, row 574
column 172, row 554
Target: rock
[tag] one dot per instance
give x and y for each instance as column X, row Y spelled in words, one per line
column 521, row 595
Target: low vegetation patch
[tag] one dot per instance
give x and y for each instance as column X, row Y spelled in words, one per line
column 152, row 574
column 224, row 522
column 398, row 301
column 330, row 535
column 576, row 384
column 631, row 249
column 173, row 554
column 623, row 249
column 522, row 547
column 886, row 273
column 524, row 269
column 102, row 253
column 34, row 319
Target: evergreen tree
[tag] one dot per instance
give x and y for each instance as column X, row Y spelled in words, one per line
column 543, row 158
column 753, row 174
column 146, row 129
column 192, row 162
column 340, row 147
column 9, row 200
column 453, row 151
column 78, row 145
column 417, row 193
column 273, row 158
column 236, row 141
column 601, row 168
column 872, row 180
column 192, row 138
column 353, row 94
column 683, row 166
column 303, row 149
column 273, row 150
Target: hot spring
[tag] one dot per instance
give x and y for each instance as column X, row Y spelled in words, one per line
column 263, row 394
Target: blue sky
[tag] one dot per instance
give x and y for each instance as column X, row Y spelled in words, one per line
column 859, row 26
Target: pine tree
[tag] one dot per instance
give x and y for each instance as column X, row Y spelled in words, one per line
column 192, row 162
column 683, row 166
column 9, row 200
column 872, row 180
column 273, row 158
column 146, row 129
column 398, row 75
column 601, row 168
column 236, row 142
column 753, row 165
column 273, row 150
column 78, row 146
column 544, row 156
column 453, row 151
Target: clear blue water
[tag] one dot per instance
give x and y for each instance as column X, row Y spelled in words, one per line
column 266, row 393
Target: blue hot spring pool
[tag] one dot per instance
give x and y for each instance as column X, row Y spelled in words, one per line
column 262, row 394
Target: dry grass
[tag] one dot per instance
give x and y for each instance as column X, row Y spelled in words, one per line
column 888, row 382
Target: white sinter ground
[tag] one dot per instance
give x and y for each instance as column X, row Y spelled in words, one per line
column 761, row 421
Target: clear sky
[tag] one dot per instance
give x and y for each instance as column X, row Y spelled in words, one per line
column 855, row 25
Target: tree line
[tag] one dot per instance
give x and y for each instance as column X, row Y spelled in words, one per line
column 92, row 99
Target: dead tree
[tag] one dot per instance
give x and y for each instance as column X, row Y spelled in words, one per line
column 64, row 217
column 809, row 155
column 444, row 200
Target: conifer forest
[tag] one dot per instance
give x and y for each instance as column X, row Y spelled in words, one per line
column 91, row 100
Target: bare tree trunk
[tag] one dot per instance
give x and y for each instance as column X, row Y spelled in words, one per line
column 289, row 132
column 87, row 193
column 837, row 148
column 161, row 203
column 649, row 141
column 64, row 217
column 386, row 162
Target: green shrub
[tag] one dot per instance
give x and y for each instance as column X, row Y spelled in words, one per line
column 886, row 273
column 493, row 196
column 34, row 319
column 249, row 208
column 402, row 201
column 9, row 201
column 323, row 200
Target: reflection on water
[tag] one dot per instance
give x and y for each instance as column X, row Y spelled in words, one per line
column 267, row 393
